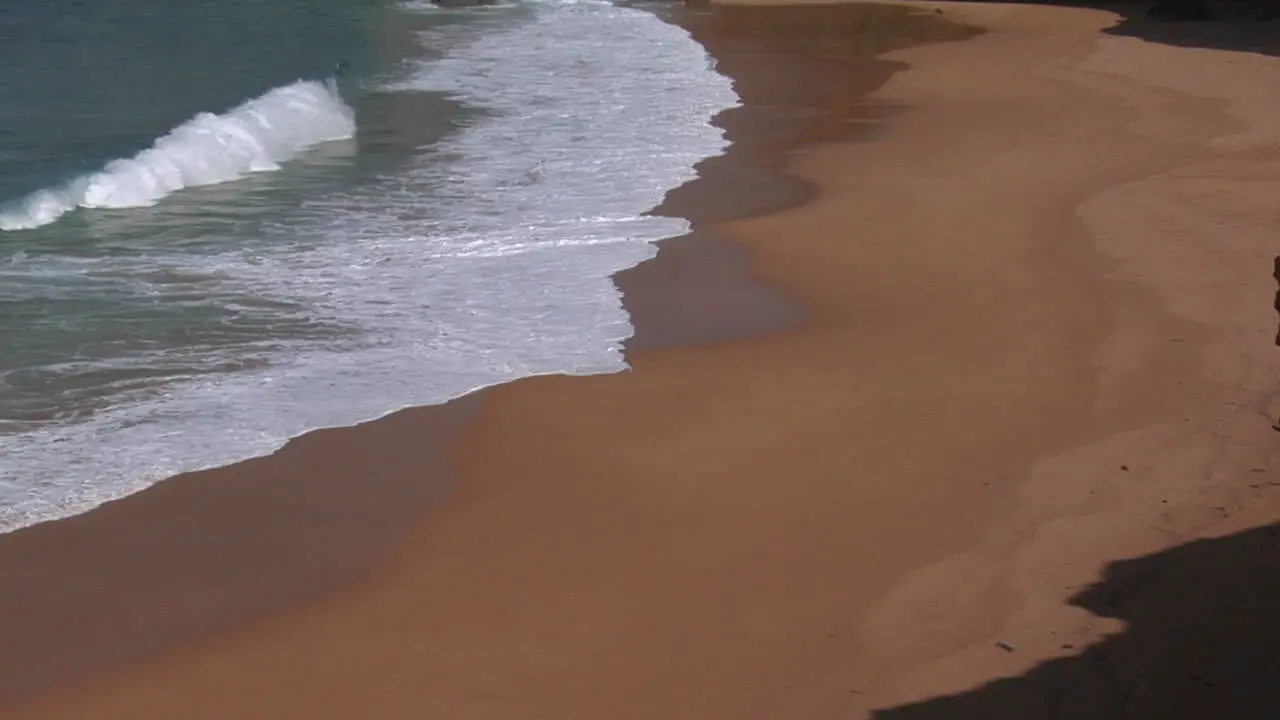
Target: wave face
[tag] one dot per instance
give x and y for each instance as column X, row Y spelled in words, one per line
column 482, row 254
column 208, row 149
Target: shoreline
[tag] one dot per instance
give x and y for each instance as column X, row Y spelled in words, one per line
column 844, row 515
column 76, row 454
column 163, row 551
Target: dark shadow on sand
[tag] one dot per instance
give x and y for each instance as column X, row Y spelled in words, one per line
column 1203, row 642
column 1241, row 25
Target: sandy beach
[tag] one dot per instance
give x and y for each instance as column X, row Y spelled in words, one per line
column 956, row 403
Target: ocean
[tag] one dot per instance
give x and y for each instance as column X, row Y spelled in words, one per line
column 211, row 243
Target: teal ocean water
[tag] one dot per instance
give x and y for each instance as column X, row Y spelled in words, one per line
column 210, row 244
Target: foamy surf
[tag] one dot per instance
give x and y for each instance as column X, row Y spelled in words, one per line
column 208, row 149
column 479, row 258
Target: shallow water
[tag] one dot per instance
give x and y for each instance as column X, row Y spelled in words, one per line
column 177, row 293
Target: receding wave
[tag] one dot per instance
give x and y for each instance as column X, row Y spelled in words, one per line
column 208, row 149
column 483, row 257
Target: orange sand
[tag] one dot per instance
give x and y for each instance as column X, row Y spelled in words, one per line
column 1052, row 260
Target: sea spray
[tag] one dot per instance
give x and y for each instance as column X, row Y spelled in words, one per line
column 208, row 149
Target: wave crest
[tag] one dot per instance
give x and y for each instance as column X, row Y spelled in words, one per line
column 208, row 149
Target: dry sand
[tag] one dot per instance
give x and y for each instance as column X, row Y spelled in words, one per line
column 1037, row 338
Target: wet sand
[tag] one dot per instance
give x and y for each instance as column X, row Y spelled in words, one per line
column 1010, row 319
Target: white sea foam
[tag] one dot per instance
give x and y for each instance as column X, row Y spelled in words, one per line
column 486, row 260
column 208, row 149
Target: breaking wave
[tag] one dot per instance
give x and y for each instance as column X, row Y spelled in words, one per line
column 208, row 149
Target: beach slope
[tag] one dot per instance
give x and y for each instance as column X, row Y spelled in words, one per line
column 1034, row 262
